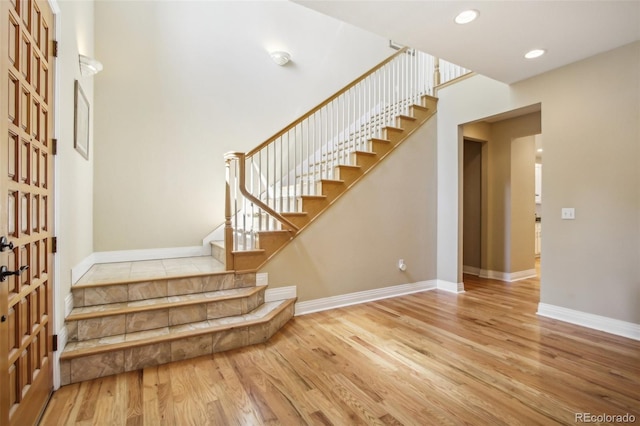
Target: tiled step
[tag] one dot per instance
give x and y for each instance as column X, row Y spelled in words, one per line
column 100, row 321
column 95, row 358
column 117, row 291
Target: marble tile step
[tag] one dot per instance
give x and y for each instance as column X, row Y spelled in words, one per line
column 93, row 322
column 95, row 358
column 133, row 289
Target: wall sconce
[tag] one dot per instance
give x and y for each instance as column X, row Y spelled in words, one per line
column 280, row 58
column 89, row 66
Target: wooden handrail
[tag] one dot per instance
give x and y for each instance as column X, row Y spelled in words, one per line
column 327, row 101
column 241, row 157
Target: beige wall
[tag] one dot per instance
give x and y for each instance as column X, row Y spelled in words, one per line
column 356, row 244
column 74, row 174
column 184, row 83
column 590, row 122
column 523, row 204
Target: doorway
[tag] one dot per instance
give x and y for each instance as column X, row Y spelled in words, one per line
column 472, row 207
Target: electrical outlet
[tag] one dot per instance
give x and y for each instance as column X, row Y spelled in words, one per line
column 568, row 213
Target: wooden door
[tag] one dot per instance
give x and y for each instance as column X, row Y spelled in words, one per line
column 26, row 209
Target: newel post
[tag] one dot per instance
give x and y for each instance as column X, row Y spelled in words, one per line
column 228, row 228
column 436, row 72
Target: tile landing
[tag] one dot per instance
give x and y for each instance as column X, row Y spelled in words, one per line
column 150, row 269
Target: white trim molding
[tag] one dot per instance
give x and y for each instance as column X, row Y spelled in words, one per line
column 280, row 293
column 596, row 322
column 508, row 276
column 449, row 286
column 68, row 304
column 471, row 270
column 349, row 299
column 62, row 342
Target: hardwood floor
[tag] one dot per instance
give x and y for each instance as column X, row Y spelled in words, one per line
column 482, row 357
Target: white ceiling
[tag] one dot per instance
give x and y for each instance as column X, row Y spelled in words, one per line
column 494, row 45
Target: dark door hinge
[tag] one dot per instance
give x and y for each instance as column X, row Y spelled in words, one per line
column 54, row 245
column 54, row 146
column 54, row 342
column 54, row 48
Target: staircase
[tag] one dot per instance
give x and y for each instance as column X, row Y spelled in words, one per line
column 127, row 317
column 355, row 165
column 124, row 324
column 277, row 189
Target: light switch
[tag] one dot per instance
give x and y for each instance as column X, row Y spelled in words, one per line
column 568, row 213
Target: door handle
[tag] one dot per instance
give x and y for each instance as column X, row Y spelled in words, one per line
column 5, row 272
column 4, row 244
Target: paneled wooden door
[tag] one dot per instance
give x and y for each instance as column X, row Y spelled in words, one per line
column 26, row 209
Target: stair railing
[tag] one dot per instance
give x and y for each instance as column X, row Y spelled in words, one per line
column 268, row 180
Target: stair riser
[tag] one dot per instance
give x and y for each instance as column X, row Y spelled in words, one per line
column 218, row 253
column 249, row 261
column 392, row 134
column 136, row 358
column 365, row 161
column 313, row 206
column 112, row 325
column 270, row 242
column 331, row 189
column 298, row 220
column 128, row 292
column 419, row 113
column 348, row 174
column 407, row 124
column 381, row 148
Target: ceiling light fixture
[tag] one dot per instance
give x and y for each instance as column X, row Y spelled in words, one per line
column 466, row 16
column 535, row 53
column 281, row 58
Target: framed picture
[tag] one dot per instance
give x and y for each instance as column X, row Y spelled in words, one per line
column 81, row 128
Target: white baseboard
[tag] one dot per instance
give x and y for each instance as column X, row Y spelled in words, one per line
column 280, row 293
column 68, row 304
column 449, row 286
column 471, row 270
column 508, row 276
column 82, row 268
column 136, row 255
column 333, row 302
column 62, row 342
column 262, row 278
column 596, row 322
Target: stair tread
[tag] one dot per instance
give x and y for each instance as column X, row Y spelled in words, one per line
column 96, row 311
column 312, row 197
column 260, row 315
column 395, row 128
column 407, row 117
column 370, row 153
column 422, row 107
column 380, row 140
column 294, row 214
column 348, row 166
column 249, row 252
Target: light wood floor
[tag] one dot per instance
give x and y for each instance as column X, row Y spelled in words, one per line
column 480, row 358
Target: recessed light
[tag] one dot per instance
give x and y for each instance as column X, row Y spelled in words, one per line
column 535, row 53
column 466, row 16
column 539, row 149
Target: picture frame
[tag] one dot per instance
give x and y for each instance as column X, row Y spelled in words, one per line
column 81, row 121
